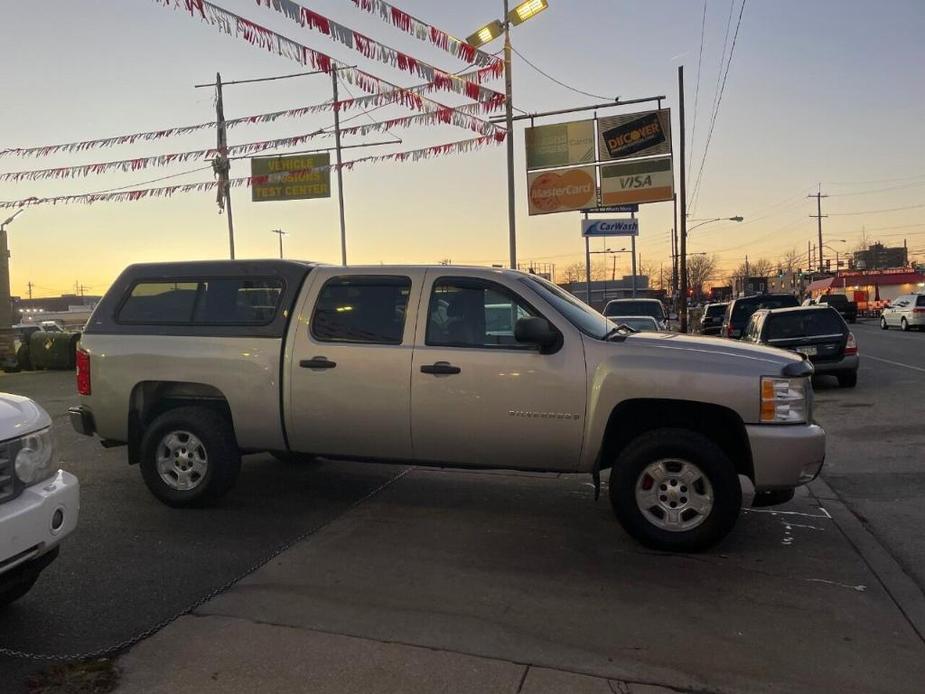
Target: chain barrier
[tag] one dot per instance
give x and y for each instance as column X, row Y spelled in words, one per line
column 150, row 631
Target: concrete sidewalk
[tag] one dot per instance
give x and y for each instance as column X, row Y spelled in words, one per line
column 459, row 581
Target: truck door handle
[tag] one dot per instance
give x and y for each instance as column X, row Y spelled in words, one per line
column 441, row 367
column 317, row 363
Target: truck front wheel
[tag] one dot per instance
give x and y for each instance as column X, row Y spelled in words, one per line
column 675, row 490
column 189, row 457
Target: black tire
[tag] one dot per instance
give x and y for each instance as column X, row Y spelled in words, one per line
column 222, row 457
column 904, row 324
column 883, row 325
column 848, row 379
column 15, row 592
column 693, row 448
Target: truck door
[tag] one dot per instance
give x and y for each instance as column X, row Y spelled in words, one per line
column 480, row 398
column 350, row 362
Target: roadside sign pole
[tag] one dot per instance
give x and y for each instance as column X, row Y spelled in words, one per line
column 682, row 218
column 509, row 121
column 340, row 174
column 633, row 238
column 221, row 164
column 587, row 267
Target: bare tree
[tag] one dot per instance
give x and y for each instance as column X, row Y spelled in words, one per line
column 700, row 269
column 650, row 270
column 863, row 240
column 575, row 272
column 791, row 261
column 446, row 261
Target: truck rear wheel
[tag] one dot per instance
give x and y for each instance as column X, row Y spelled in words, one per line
column 675, row 490
column 189, row 457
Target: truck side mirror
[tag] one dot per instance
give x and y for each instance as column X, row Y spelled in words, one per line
column 537, row 331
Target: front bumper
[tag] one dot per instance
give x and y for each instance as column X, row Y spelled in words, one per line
column 849, row 363
column 28, row 528
column 785, row 456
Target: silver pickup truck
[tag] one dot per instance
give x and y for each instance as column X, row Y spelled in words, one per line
column 192, row 364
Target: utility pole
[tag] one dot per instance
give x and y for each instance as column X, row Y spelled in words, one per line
column 281, row 234
column 746, row 267
column 340, row 173
column 30, row 285
column 221, row 165
column 633, row 250
column 682, row 217
column 819, row 217
column 509, row 121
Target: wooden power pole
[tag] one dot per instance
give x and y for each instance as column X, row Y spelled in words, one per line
column 221, row 165
column 819, row 217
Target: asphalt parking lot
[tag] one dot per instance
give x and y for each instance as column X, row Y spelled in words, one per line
column 522, row 569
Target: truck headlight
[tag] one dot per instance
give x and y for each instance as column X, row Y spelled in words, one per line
column 34, row 456
column 784, row 400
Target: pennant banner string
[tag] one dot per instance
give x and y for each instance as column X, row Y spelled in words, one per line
column 427, row 32
column 459, row 147
column 447, row 117
column 374, row 50
column 258, row 35
column 152, row 135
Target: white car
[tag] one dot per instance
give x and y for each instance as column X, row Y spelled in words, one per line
column 641, row 324
column 905, row 312
column 638, row 307
column 39, row 504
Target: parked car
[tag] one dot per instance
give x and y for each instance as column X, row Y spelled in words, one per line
column 39, row 504
column 904, row 312
column 740, row 310
column 711, row 321
column 641, row 324
column 405, row 364
column 638, row 307
column 819, row 332
column 847, row 309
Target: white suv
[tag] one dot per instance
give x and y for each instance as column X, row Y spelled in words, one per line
column 38, row 503
column 904, row 312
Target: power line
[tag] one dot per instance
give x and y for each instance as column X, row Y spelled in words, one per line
column 563, row 84
column 703, row 26
column 879, row 190
column 889, row 209
column 719, row 101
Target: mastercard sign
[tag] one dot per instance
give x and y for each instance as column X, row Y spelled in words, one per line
column 562, row 190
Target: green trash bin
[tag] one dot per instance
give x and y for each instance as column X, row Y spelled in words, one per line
column 53, row 350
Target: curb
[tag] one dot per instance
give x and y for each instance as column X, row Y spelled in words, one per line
column 899, row 585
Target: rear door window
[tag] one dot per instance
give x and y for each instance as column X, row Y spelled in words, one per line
column 160, row 302
column 920, row 301
column 786, row 326
column 369, row 310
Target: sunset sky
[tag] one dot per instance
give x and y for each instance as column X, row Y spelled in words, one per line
column 829, row 91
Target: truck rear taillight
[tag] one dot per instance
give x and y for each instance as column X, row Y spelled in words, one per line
column 918, row 310
column 83, row 372
column 851, row 347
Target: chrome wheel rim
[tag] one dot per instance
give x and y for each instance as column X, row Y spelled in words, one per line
column 674, row 495
column 182, row 460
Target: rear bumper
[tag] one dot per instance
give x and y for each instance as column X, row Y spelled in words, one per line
column 82, row 420
column 785, row 456
column 29, row 528
column 849, row 363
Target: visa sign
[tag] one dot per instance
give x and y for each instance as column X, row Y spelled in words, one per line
column 610, row 227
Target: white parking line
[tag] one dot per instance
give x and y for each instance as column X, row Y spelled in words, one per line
column 895, row 363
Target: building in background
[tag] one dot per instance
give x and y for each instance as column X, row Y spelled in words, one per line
column 71, row 310
column 749, row 286
column 880, row 257
column 871, row 289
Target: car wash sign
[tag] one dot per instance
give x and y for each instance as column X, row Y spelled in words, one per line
column 635, row 135
column 610, row 227
column 643, row 180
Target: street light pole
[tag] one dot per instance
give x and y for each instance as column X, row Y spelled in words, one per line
column 509, row 121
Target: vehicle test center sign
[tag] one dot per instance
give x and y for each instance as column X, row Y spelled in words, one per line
column 610, row 227
column 561, row 144
column 562, row 190
column 298, row 177
column 644, row 180
column 635, row 134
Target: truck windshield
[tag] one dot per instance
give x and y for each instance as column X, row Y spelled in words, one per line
column 576, row 312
